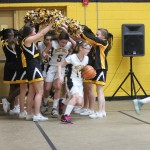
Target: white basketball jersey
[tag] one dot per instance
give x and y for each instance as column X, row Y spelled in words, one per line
column 59, row 53
column 77, row 65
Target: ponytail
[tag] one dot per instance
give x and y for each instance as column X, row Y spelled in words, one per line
column 110, row 41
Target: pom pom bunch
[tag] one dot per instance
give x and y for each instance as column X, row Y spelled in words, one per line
column 44, row 16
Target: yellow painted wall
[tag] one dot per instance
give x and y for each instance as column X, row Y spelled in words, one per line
column 110, row 16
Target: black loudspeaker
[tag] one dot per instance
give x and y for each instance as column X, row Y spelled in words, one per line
column 133, row 40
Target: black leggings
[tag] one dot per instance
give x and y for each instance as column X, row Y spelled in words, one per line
column 13, row 92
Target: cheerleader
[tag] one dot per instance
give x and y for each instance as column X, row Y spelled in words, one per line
column 33, row 69
column 74, row 79
column 102, row 44
column 21, row 77
column 8, row 46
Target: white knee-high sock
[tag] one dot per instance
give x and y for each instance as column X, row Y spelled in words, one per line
column 55, row 103
column 145, row 100
column 69, row 109
column 45, row 100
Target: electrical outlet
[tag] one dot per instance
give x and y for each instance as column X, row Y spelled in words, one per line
column 4, row 26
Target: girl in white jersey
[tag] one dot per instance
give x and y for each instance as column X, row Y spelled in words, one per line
column 60, row 49
column 45, row 45
column 74, row 79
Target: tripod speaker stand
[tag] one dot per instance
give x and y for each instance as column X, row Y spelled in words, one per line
column 132, row 84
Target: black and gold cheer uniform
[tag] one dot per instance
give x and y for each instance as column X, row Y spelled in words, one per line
column 32, row 63
column 21, row 72
column 99, row 61
column 10, row 64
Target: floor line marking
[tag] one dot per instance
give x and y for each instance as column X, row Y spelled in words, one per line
column 46, row 137
column 134, row 117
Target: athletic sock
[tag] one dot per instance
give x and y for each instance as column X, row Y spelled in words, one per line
column 45, row 101
column 145, row 100
column 55, row 103
column 69, row 109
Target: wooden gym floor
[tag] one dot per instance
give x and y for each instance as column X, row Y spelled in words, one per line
column 122, row 129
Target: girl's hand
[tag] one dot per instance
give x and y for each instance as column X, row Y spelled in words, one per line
column 64, row 25
column 64, row 29
column 46, row 56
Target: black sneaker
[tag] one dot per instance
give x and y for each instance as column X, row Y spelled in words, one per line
column 61, row 107
column 66, row 119
column 54, row 113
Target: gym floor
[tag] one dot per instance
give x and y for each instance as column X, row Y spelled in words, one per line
column 122, row 129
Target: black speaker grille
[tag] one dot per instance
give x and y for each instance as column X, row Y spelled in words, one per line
column 133, row 40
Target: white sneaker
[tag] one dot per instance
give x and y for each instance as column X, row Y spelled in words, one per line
column 17, row 107
column 104, row 113
column 87, row 112
column 22, row 115
column 78, row 111
column 77, row 108
column 39, row 117
column 14, row 111
column 54, row 113
column 6, row 105
column 29, row 117
column 137, row 105
column 96, row 115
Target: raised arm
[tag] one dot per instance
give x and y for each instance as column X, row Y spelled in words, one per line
column 34, row 38
column 91, row 38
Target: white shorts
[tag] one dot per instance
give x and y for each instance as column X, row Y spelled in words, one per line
column 74, row 86
column 52, row 73
column 45, row 69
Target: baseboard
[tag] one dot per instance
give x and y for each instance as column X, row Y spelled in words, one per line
column 125, row 97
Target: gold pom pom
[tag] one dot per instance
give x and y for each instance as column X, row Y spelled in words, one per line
column 44, row 16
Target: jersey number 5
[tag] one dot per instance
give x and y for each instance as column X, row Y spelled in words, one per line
column 59, row 58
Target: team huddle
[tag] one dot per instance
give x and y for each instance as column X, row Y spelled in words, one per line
column 34, row 69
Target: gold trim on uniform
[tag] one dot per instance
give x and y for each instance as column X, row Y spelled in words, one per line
column 35, row 80
column 99, row 82
column 22, row 81
column 23, row 59
column 36, row 55
column 10, row 82
column 94, row 82
column 87, row 81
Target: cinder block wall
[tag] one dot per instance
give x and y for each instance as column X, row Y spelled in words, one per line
column 110, row 16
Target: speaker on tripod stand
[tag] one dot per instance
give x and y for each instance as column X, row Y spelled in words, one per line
column 133, row 41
